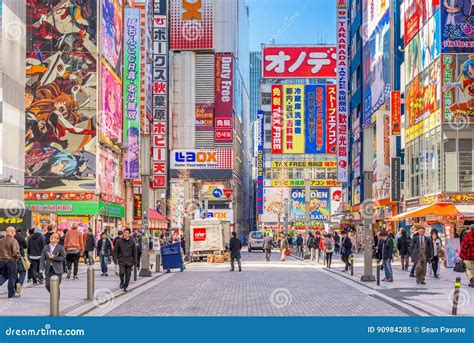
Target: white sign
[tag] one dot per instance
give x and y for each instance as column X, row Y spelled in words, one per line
column 201, row 159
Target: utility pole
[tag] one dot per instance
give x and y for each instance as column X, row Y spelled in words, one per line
column 307, row 199
column 186, row 217
column 145, row 175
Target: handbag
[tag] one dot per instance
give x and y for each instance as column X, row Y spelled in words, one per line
column 25, row 262
column 287, row 252
column 459, row 267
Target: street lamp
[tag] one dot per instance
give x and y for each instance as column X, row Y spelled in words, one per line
column 145, row 175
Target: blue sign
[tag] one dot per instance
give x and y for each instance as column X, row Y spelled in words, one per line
column 315, row 105
column 217, row 193
column 260, row 160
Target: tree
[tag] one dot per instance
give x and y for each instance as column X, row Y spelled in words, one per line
column 276, row 204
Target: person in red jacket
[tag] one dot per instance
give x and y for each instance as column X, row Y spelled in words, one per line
column 467, row 254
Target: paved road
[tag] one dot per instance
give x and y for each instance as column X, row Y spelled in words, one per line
column 290, row 288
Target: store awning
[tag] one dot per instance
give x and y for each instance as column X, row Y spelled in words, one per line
column 442, row 209
column 466, row 210
column 157, row 221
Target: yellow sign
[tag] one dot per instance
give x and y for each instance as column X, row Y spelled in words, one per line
column 300, row 183
column 430, row 122
column 293, row 119
column 304, row 164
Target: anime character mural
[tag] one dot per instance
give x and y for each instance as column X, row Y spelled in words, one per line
column 111, row 118
column 464, row 103
column 457, row 26
column 60, row 94
column 111, row 37
column 133, row 153
column 110, row 173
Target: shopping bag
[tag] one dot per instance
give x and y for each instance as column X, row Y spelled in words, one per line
column 117, row 270
column 459, row 267
column 287, row 252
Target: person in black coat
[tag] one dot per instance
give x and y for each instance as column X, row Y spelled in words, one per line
column 386, row 252
column 235, row 245
column 346, row 249
column 125, row 254
column 52, row 258
column 104, row 251
column 422, row 252
column 36, row 244
column 337, row 242
column 89, row 247
column 20, row 268
column 403, row 245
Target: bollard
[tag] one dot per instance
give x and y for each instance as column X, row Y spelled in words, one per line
column 135, row 273
column 90, row 283
column 352, row 265
column 54, row 296
column 378, row 273
column 457, row 285
column 158, row 263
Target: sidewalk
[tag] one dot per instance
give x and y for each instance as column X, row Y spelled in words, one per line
column 435, row 298
column 34, row 300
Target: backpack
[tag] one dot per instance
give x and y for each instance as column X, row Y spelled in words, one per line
column 329, row 245
column 395, row 248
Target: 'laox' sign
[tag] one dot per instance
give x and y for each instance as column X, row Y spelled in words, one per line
column 201, row 159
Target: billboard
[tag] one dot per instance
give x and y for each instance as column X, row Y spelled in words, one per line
column 395, row 113
column 381, row 164
column 260, row 159
column 201, row 159
column 137, row 207
column 159, row 94
column 319, row 204
column 131, row 93
column 417, row 14
column 331, row 116
column 342, row 95
column 293, row 118
column 284, row 62
column 376, row 69
column 315, row 106
column 204, row 117
column 430, row 41
column 277, row 119
column 457, row 20
column 191, row 24
column 61, row 98
column 304, row 164
column 111, row 33
column 336, row 200
column 111, row 118
column 224, row 100
column 373, row 11
column 458, row 89
column 301, row 183
column 109, row 173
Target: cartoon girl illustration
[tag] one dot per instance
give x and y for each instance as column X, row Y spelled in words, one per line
column 466, row 84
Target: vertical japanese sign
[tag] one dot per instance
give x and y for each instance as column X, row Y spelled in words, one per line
column 137, row 207
column 395, row 113
column 293, row 117
column 277, row 119
column 223, row 108
column 448, row 67
column 331, row 128
column 159, row 142
column 131, row 91
column 395, row 179
column 204, row 117
column 260, row 160
column 315, row 101
column 342, row 89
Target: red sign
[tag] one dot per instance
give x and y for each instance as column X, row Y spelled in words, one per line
column 228, row 192
column 412, row 21
column 395, row 112
column 277, row 119
column 199, row 234
column 224, row 89
column 331, row 124
column 299, row 62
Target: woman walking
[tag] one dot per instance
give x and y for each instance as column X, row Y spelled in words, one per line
column 89, row 247
column 329, row 246
column 438, row 253
column 283, row 246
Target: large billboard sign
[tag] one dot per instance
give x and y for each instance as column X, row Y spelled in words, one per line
column 204, row 117
column 260, row 160
column 277, row 119
column 294, row 119
column 224, row 90
column 342, row 94
column 417, row 13
column 457, row 26
column 283, row 62
column 131, row 93
column 191, row 24
column 201, row 159
column 331, row 129
column 319, row 204
column 315, row 106
column 111, row 33
column 373, row 12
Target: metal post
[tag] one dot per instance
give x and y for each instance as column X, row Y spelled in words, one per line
column 378, row 273
column 307, row 199
column 90, row 283
column 158, row 263
column 135, row 272
column 457, row 285
column 352, row 265
column 145, row 176
column 186, row 221
column 54, row 296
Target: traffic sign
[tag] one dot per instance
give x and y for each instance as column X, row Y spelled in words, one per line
column 217, row 193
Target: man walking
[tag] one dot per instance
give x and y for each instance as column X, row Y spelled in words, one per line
column 36, row 244
column 74, row 247
column 346, row 249
column 387, row 255
column 104, row 251
column 267, row 246
column 467, row 254
column 20, row 267
column 137, row 238
column 9, row 255
column 317, row 246
column 52, row 258
column 284, row 245
column 299, row 245
column 422, row 253
column 125, row 254
column 403, row 245
column 235, row 245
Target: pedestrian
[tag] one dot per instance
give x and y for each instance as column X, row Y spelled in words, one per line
column 49, row 232
column 317, row 246
column 119, row 235
column 337, row 242
column 329, row 247
column 312, row 250
column 346, row 250
column 284, row 246
column 321, row 247
column 437, row 253
column 414, row 236
column 183, row 244
column 89, row 248
column 299, row 245
column 137, row 238
column 9, row 256
column 387, row 255
column 31, row 231
column 421, row 253
column 403, row 245
column 104, row 251
column 52, row 258
column 125, row 255
column 378, row 250
column 235, row 245
column 467, row 254
column 36, row 244
column 267, row 246
column 22, row 261
column 74, row 247
column 61, row 241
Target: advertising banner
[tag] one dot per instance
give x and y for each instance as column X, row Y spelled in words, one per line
column 16, row 217
column 342, row 95
column 285, row 62
column 111, row 116
column 131, row 93
column 191, row 24
column 381, row 184
column 457, row 21
column 293, row 114
column 412, row 20
column 301, row 182
column 223, row 108
column 319, row 204
column 159, row 129
column 376, row 69
column 395, row 111
column 260, row 160
column 204, row 117
column 277, row 119
column 336, row 199
column 458, row 87
column 304, row 164
column 201, row 159
column 137, row 207
column 222, row 214
column 331, row 128
column 315, row 101
column 111, row 33
column 395, row 179
column 373, row 12
column 109, row 173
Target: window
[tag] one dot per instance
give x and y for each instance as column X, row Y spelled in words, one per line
column 266, row 99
